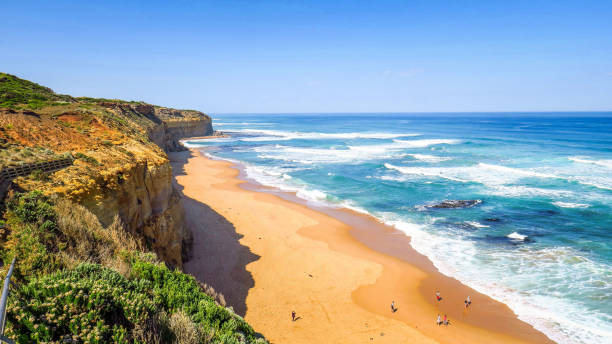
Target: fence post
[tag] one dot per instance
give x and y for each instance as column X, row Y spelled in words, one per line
column 3, row 300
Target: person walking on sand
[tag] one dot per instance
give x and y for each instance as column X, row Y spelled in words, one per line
column 445, row 320
column 439, row 321
column 393, row 309
column 292, row 315
column 438, row 295
column 469, row 301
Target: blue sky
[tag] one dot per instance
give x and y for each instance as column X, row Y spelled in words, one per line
column 318, row 56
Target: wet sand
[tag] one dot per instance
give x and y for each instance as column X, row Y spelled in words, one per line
column 339, row 270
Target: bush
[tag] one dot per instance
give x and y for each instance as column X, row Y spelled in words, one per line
column 178, row 292
column 40, row 175
column 90, row 303
column 34, row 234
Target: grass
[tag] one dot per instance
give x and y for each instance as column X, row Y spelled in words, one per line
column 82, row 282
column 14, row 155
column 19, row 93
column 86, row 158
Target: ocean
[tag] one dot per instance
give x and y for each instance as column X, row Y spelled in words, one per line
column 540, row 237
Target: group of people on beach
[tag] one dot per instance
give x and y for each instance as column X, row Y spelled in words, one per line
column 439, row 321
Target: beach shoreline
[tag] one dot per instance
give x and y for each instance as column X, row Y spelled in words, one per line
column 338, row 269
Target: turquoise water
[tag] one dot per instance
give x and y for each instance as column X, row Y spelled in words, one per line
column 540, row 241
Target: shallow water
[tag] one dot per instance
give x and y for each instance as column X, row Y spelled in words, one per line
column 540, row 241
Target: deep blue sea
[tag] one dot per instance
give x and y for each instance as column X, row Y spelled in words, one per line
column 539, row 241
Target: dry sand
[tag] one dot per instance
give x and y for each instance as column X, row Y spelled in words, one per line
column 338, row 270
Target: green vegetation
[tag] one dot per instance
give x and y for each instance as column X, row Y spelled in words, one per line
column 86, row 158
column 15, row 92
column 81, row 282
column 11, row 155
column 40, row 175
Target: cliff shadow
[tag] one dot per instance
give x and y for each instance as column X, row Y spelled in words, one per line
column 217, row 257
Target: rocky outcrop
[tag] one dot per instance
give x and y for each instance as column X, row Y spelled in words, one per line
column 175, row 125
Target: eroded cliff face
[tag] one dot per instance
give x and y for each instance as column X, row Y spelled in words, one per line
column 174, row 125
column 149, row 206
column 121, row 165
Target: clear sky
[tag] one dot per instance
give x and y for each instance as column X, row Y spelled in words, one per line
column 318, row 56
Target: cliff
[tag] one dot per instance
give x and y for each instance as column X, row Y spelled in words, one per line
column 92, row 236
column 121, row 165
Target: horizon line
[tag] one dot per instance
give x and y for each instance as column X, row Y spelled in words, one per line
column 411, row 112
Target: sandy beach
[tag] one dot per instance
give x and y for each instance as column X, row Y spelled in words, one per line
column 338, row 270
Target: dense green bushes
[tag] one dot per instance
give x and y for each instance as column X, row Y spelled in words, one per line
column 82, row 283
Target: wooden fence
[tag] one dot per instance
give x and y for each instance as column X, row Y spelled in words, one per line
column 8, row 173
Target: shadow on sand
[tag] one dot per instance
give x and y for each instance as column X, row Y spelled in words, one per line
column 217, row 257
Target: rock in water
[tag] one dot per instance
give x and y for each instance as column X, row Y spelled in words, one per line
column 451, row 204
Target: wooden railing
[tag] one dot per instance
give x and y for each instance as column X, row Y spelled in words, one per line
column 8, row 173
column 26, row 169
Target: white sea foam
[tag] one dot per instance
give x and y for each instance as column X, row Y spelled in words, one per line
column 497, row 178
column 198, row 143
column 242, row 123
column 429, row 158
column 428, row 172
column 570, row 205
column 525, row 191
column 279, row 177
column 320, row 155
column 516, row 171
column 516, row 236
column 279, row 135
column 476, row 224
column 603, row 162
column 424, row 143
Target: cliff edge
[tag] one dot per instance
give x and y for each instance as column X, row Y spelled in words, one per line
column 119, row 147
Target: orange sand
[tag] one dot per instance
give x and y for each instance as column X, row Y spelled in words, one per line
column 270, row 256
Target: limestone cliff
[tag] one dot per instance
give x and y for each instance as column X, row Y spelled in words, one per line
column 121, row 167
column 146, row 201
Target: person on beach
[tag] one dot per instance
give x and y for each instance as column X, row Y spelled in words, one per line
column 292, row 315
column 467, row 302
column 445, row 320
column 393, row 309
column 439, row 321
column 438, row 297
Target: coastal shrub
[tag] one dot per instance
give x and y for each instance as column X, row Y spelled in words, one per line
column 40, row 175
column 51, row 233
column 86, row 158
column 184, row 329
column 33, row 234
column 178, row 292
column 87, row 304
column 91, row 303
